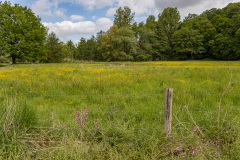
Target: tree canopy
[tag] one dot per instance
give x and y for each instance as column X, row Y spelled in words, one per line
column 123, row 17
column 22, row 34
column 188, row 43
column 54, row 48
column 214, row 34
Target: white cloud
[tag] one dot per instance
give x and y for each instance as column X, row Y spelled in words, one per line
column 76, row 18
column 111, row 11
column 140, row 7
column 65, row 29
column 140, row 18
column 191, row 6
column 42, row 7
column 147, row 7
column 104, row 24
column 51, row 7
column 92, row 4
column 60, row 13
column 48, row 8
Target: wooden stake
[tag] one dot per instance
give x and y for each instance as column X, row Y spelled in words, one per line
column 168, row 110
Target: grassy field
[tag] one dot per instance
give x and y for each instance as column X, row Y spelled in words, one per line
column 116, row 110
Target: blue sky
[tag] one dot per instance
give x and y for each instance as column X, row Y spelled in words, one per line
column 73, row 19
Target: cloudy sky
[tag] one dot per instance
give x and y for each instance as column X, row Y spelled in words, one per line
column 73, row 19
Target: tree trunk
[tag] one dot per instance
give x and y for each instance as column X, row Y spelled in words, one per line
column 13, row 59
column 192, row 56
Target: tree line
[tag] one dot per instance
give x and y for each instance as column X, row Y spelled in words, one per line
column 214, row 34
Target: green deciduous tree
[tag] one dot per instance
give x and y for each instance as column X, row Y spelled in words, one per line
column 71, row 50
column 236, row 22
column 188, row 43
column 222, row 24
column 223, row 47
column 237, row 34
column 124, row 45
column 81, row 49
column 146, row 38
column 123, row 17
column 99, row 47
column 119, row 44
column 87, row 49
column 212, row 13
column 92, row 48
column 170, row 19
column 107, row 45
column 190, row 17
column 22, row 35
column 237, row 46
column 54, row 48
column 231, row 9
column 162, row 45
column 151, row 23
column 205, row 27
column 145, row 44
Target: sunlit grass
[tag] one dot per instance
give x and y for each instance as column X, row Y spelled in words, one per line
column 126, row 102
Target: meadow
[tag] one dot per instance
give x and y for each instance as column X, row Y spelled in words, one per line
column 116, row 110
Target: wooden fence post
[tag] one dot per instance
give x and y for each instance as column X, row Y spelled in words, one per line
column 168, row 110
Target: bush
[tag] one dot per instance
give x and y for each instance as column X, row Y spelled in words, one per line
column 4, row 59
column 16, row 121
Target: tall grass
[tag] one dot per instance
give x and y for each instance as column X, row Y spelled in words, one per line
column 115, row 110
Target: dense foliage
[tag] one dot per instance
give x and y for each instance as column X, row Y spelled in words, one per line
column 21, row 33
column 215, row 34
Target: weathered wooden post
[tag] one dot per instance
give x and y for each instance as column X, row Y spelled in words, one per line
column 168, row 110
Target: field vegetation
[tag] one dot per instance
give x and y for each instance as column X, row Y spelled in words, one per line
column 116, row 110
